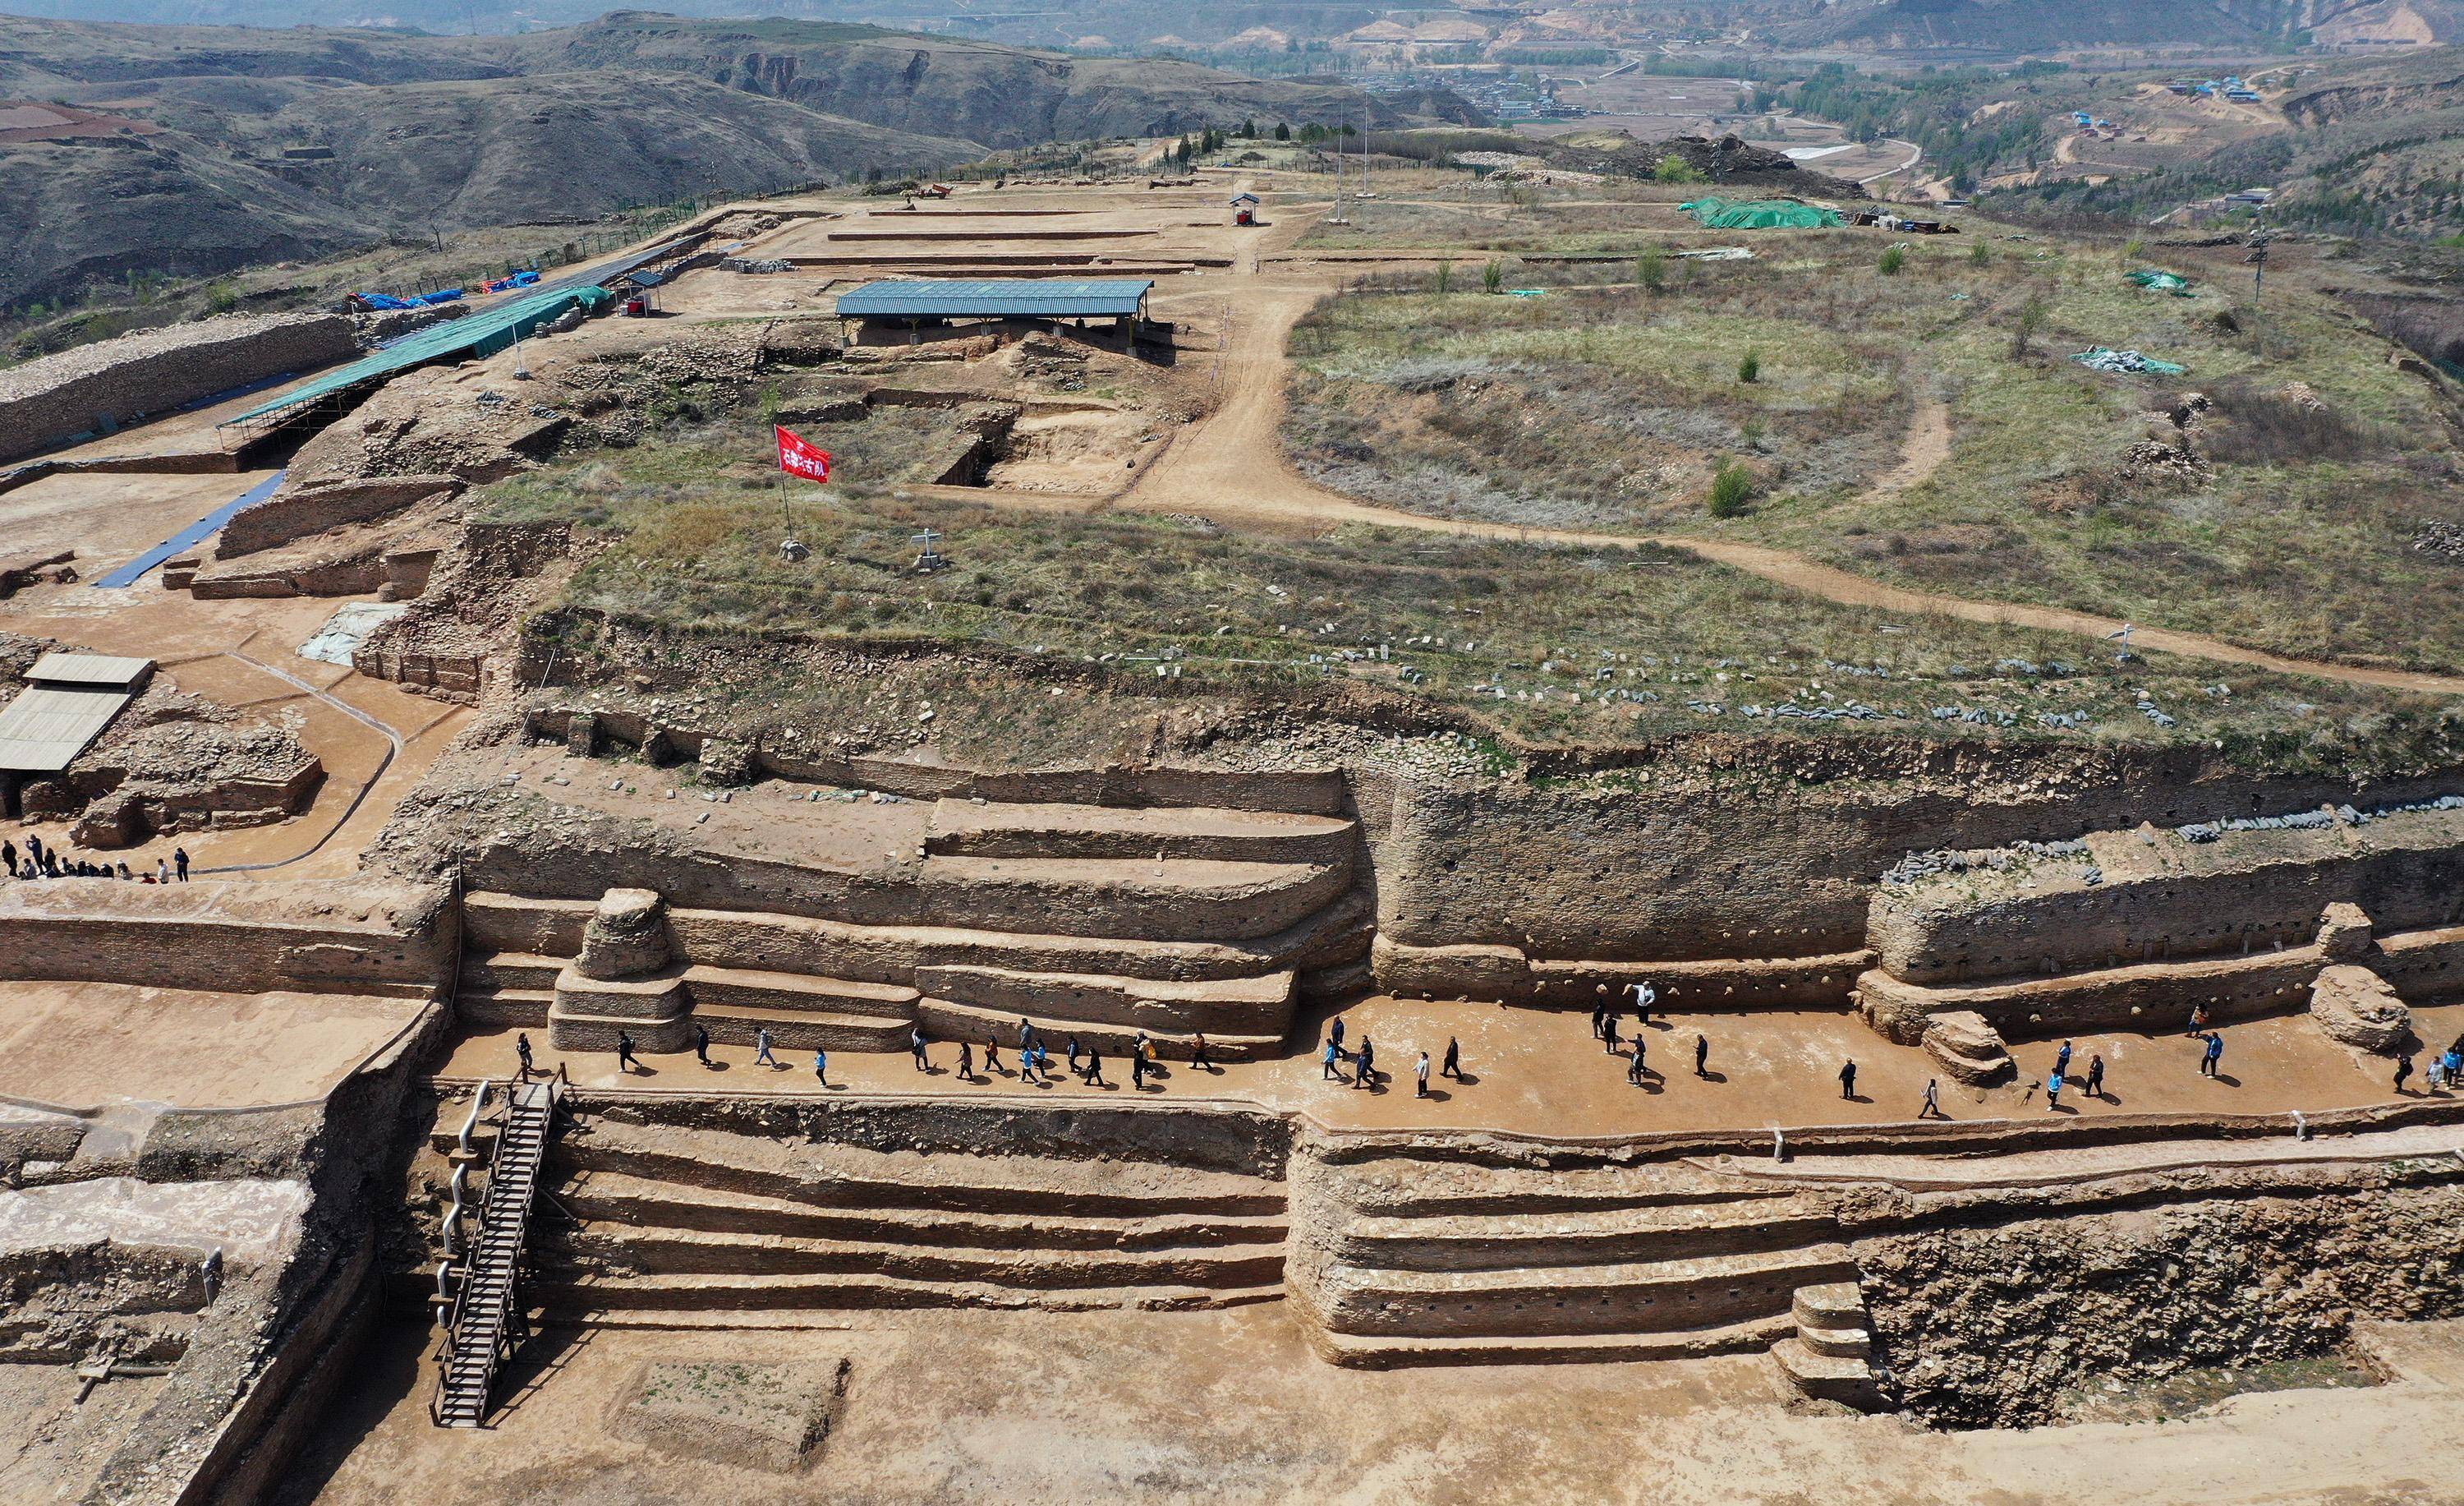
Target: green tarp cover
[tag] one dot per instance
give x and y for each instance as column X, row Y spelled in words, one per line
column 2128, row 362
column 480, row 334
column 2159, row 282
column 1759, row 214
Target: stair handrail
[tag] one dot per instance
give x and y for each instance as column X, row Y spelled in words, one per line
column 478, row 1102
column 495, row 1203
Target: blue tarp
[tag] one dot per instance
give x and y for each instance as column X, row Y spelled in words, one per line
column 188, row 538
column 388, row 301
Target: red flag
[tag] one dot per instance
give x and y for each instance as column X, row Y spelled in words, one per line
column 796, row 458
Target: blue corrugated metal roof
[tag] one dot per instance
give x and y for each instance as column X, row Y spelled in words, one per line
column 996, row 297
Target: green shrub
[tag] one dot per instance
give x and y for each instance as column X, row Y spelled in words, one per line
column 1979, row 255
column 1445, row 276
column 2030, row 319
column 1893, row 259
column 1492, row 276
column 1651, row 269
column 1673, row 168
column 1750, row 370
column 1731, row 489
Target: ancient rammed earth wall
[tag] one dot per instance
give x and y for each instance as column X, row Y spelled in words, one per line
column 2242, row 890
column 296, row 513
column 363, row 938
column 1212, row 1137
column 97, row 387
column 1304, row 792
column 1723, row 855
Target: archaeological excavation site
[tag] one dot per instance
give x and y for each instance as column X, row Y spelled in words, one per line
column 1252, row 901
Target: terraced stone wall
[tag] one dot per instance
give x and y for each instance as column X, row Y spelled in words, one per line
column 2004, row 1325
column 2151, row 895
column 97, row 387
column 1773, row 866
column 1212, row 1138
column 207, row 936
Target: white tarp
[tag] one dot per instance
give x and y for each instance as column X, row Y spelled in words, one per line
column 347, row 629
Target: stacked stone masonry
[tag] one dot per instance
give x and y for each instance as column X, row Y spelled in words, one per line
column 1161, row 921
column 97, row 388
column 2137, row 928
column 365, row 937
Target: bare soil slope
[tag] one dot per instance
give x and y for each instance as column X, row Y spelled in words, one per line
column 75, row 212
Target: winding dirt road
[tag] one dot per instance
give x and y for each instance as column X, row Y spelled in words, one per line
column 1229, row 466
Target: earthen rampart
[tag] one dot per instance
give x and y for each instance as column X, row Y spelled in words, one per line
column 1703, row 861
column 1300, row 792
column 1215, row 1137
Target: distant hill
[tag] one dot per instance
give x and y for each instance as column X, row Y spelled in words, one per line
column 2014, row 28
column 300, row 141
column 1000, row 96
column 1129, row 26
column 574, row 144
column 2364, row 145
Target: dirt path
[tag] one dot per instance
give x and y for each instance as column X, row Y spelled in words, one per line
column 1923, row 451
column 1916, row 154
column 1229, row 466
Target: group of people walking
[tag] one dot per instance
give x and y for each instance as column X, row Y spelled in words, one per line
column 1351, row 1060
column 1362, row 1060
column 1605, row 1016
column 2445, row 1072
column 45, row 861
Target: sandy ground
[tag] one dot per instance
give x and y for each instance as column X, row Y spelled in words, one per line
column 223, row 651
column 83, row 1043
column 1540, row 1071
column 54, row 1445
column 1231, row 1407
column 110, row 518
column 1127, row 222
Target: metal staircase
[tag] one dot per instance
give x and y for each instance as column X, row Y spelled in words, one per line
column 484, row 1320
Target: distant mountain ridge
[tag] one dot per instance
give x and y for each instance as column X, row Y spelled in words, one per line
column 409, row 133
column 2007, row 28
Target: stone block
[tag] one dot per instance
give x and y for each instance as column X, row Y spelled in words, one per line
column 627, row 937
column 1968, row 1048
column 660, row 998
column 725, row 760
column 2356, row 1007
column 2344, row 933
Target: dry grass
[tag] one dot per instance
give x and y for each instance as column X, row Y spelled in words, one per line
column 1613, row 408
column 1557, row 645
column 1599, row 403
